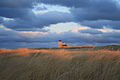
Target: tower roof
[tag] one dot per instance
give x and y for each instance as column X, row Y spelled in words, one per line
column 59, row 40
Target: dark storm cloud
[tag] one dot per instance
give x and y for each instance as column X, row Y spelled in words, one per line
column 17, row 39
column 100, row 9
column 102, row 24
column 92, row 10
column 91, row 31
column 13, row 12
column 16, row 3
column 69, row 3
column 82, row 10
column 95, row 14
column 1, row 20
column 24, row 18
column 91, row 13
column 8, row 35
column 30, row 20
column 108, row 37
column 13, row 39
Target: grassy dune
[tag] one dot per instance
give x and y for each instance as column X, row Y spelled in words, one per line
column 59, row 64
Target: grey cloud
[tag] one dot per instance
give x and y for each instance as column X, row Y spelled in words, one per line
column 1, row 20
column 30, row 20
column 8, row 35
column 98, row 38
column 69, row 3
column 91, row 9
column 102, row 23
column 96, row 13
column 16, row 3
column 41, row 40
column 81, row 10
column 92, row 13
column 91, row 31
column 13, row 12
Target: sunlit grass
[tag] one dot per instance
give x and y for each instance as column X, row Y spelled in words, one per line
column 49, row 64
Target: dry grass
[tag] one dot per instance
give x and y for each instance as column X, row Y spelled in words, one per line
column 29, row 64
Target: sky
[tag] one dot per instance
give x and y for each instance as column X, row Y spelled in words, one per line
column 41, row 23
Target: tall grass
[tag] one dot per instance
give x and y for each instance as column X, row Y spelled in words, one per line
column 59, row 65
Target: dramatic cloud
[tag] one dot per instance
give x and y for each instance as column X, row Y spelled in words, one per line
column 38, row 16
column 16, row 3
column 82, row 36
column 90, row 9
column 40, row 9
column 91, row 31
column 61, row 27
column 40, row 23
column 102, row 24
column 71, row 3
column 102, row 12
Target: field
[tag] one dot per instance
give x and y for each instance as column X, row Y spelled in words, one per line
column 59, row 64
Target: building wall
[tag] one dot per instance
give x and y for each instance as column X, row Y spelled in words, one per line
column 59, row 43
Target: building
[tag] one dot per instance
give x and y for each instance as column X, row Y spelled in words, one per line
column 61, row 44
column 65, row 45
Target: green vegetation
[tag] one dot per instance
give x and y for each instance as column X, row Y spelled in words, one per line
column 109, row 47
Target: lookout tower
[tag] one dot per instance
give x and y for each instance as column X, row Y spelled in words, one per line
column 61, row 44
